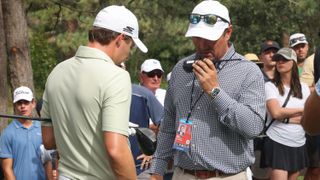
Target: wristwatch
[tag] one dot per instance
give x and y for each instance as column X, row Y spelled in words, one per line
column 214, row 92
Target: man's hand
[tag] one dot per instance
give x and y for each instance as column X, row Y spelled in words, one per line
column 206, row 74
column 146, row 161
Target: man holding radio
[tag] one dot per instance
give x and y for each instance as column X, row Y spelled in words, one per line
column 221, row 103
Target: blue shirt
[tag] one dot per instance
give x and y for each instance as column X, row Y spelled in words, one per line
column 223, row 128
column 154, row 107
column 144, row 106
column 23, row 146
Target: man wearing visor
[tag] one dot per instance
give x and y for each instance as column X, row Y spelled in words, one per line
column 88, row 99
column 221, row 104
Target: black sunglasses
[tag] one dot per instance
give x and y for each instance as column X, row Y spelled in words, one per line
column 152, row 74
column 208, row 18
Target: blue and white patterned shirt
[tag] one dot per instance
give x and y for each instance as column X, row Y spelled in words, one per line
column 224, row 127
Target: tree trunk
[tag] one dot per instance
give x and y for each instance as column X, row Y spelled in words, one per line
column 3, row 74
column 15, row 25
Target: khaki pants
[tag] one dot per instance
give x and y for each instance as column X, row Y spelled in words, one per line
column 180, row 175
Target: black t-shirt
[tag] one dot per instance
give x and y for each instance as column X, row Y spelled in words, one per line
column 265, row 76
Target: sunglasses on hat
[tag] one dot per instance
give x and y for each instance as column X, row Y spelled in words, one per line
column 302, row 38
column 152, row 74
column 208, row 18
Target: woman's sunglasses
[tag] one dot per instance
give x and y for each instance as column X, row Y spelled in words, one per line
column 208, row 18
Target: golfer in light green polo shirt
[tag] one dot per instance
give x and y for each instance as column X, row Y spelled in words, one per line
column 88, row 99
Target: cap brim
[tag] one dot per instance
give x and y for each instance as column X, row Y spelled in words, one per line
column 19, row 98
column 140, row 44
column 269, row 47
column 277, row 57
column 206, row 31
column 299, row 42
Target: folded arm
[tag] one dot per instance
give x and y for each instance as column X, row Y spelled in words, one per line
column 280, row 113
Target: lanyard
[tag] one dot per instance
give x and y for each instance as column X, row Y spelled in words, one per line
column 192, row 89
column 191, row 99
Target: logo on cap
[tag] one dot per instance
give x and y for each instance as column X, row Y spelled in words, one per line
column 22, row 93
column 128, row 29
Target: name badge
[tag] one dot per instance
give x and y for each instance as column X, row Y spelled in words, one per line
column 183, row 136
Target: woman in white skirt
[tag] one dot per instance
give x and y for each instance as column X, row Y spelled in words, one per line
column 284, row 151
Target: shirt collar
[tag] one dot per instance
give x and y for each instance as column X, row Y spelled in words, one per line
column 92, row 53
column 230, row 52
column 227, row 56
column 18, row 124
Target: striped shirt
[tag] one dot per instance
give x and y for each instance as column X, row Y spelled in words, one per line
column 224, row 127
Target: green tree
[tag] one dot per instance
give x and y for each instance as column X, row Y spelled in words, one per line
column 63, row 25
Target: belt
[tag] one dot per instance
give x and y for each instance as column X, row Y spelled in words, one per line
column 204, row 174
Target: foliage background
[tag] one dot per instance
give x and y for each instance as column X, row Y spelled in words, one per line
column 58, row 27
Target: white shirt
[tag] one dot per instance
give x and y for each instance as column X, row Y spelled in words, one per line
column 291, row 135
column 160, row 95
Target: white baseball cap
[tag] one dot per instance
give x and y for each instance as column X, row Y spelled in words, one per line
column 22, row 93
column 207, row 31
column 121, row 20
column 150, row 65
column 297, row 38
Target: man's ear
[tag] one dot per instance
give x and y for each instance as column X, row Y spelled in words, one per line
column 228, row 32
column 118, row 40
column 33, row 102
column 140, row 78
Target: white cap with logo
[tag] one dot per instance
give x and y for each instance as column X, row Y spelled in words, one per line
column 22, row 93
column 207, row 31
column 150, row 65
column 121, row 20
column 297, row 38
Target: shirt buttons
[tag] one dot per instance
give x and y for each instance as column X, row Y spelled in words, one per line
column 198, row 107
column 194, row 126
column 193, row 145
